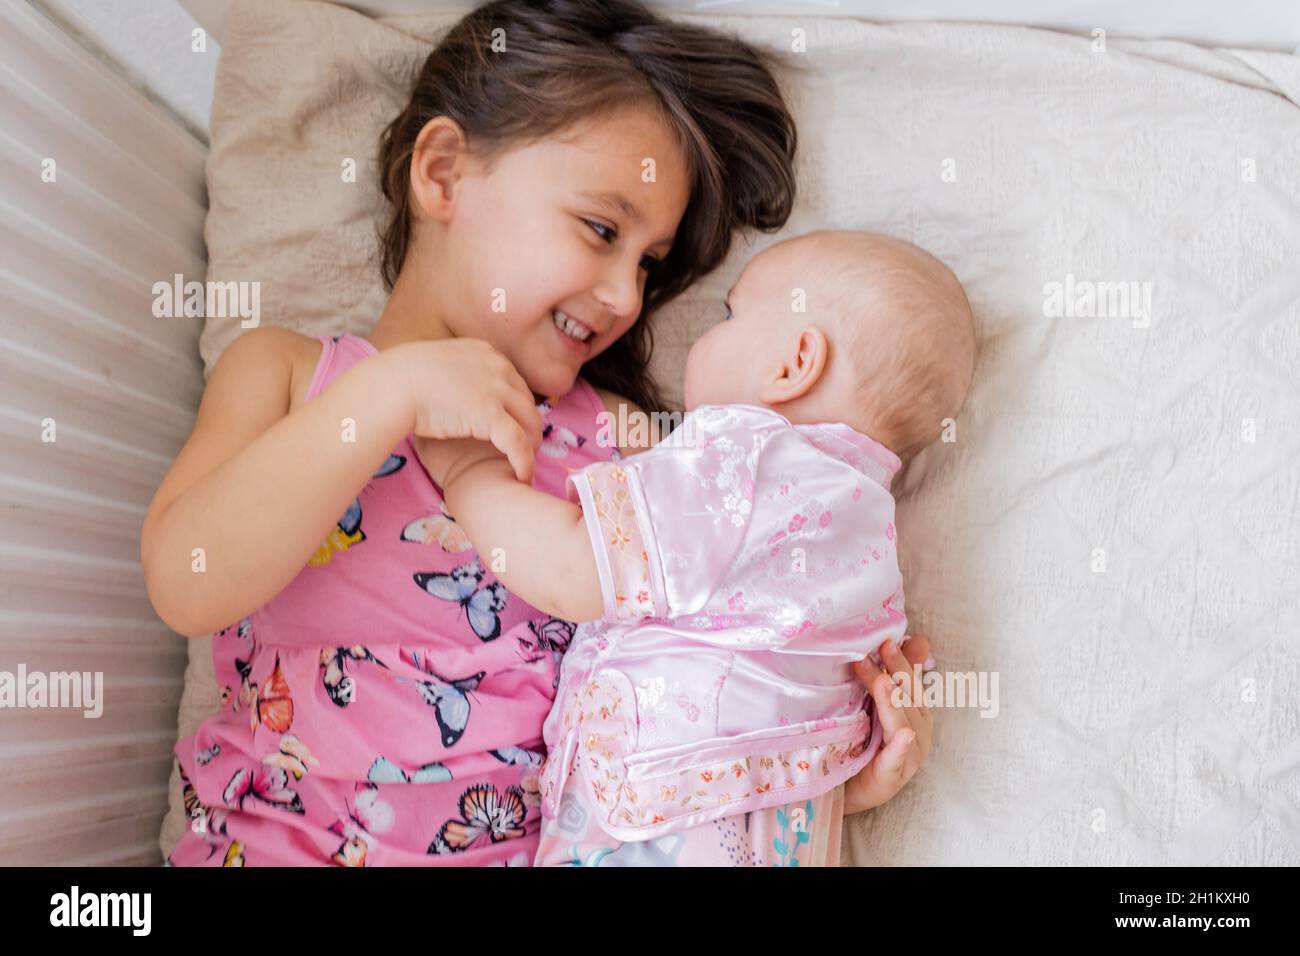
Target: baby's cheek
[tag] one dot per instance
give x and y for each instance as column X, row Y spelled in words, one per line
column 689, row 388
column 702, row 373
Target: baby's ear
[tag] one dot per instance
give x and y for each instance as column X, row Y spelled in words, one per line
column 803, row 360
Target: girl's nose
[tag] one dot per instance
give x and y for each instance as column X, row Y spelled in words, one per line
column 619, row 290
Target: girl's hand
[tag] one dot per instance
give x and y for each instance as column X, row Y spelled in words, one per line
column 908, row 730
column 447, row 458
column 465, row 388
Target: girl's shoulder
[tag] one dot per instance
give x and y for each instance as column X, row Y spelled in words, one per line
column 271, row 350
column 303, row 353
column 274, row 356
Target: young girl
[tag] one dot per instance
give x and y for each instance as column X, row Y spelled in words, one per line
column 384, row 695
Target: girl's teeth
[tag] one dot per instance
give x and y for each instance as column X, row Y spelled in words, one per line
column 570, row 327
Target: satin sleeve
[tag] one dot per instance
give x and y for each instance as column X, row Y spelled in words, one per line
column 667, row 524
column 613, row 507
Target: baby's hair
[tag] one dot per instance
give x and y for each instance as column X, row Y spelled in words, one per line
column 904, row 327
column 918, row 379
column 570, row 61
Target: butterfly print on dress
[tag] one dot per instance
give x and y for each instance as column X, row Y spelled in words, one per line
column 448, row 698
column 341, row 687
column 482, row 605
column 440, row 529
column 348, row 530
column 485, row 813
column 268, row 784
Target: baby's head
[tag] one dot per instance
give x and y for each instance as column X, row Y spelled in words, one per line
column 840, row 326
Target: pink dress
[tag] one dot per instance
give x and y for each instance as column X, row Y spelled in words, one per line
column 745, row 564
column 386, row 707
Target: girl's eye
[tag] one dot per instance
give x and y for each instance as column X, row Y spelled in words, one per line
column 608, row 235
column 649, row 263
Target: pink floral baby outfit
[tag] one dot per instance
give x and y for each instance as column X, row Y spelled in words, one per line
column 713, row 715
column 386, row 707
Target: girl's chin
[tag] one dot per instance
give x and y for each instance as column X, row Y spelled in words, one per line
column 552, row 384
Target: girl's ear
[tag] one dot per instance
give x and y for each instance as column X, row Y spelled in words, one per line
column 801, row 366
column 437, row 164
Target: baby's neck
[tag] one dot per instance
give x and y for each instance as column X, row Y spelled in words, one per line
column 819, row 407
column 807, row 409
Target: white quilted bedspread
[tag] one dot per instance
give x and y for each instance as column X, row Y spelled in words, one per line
column 1149, row 712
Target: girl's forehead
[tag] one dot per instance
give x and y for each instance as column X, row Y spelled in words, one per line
column 632, row 128
column 634, row 178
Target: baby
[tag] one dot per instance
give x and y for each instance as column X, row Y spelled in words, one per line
column 736, row 570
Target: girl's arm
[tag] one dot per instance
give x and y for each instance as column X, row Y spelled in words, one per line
column 535, row 544
column 257, row 488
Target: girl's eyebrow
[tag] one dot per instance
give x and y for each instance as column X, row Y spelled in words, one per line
column 620, row 203
column 616, row 201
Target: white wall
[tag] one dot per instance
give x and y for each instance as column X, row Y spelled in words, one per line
column 81, row 351
column 152, row 43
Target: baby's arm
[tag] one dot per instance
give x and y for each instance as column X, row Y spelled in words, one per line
column 535, row 544
column 551, row 564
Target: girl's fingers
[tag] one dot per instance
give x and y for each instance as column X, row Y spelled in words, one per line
column 507, row 370
column 892, row 762
column 918, row 653
column 509, row 438
column 897, row 759
column 916, row 649
column 865, row 671
column 892, row 717
column 901, row 669
column 518, row 403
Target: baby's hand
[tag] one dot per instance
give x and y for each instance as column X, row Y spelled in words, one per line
column 447, row 458
column 908, row 730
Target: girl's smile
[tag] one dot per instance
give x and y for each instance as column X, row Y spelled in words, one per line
column 575, row 335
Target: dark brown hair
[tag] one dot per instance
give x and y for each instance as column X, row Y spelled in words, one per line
column 568, row 61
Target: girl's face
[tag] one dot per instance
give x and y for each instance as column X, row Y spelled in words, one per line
column 563, row 231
